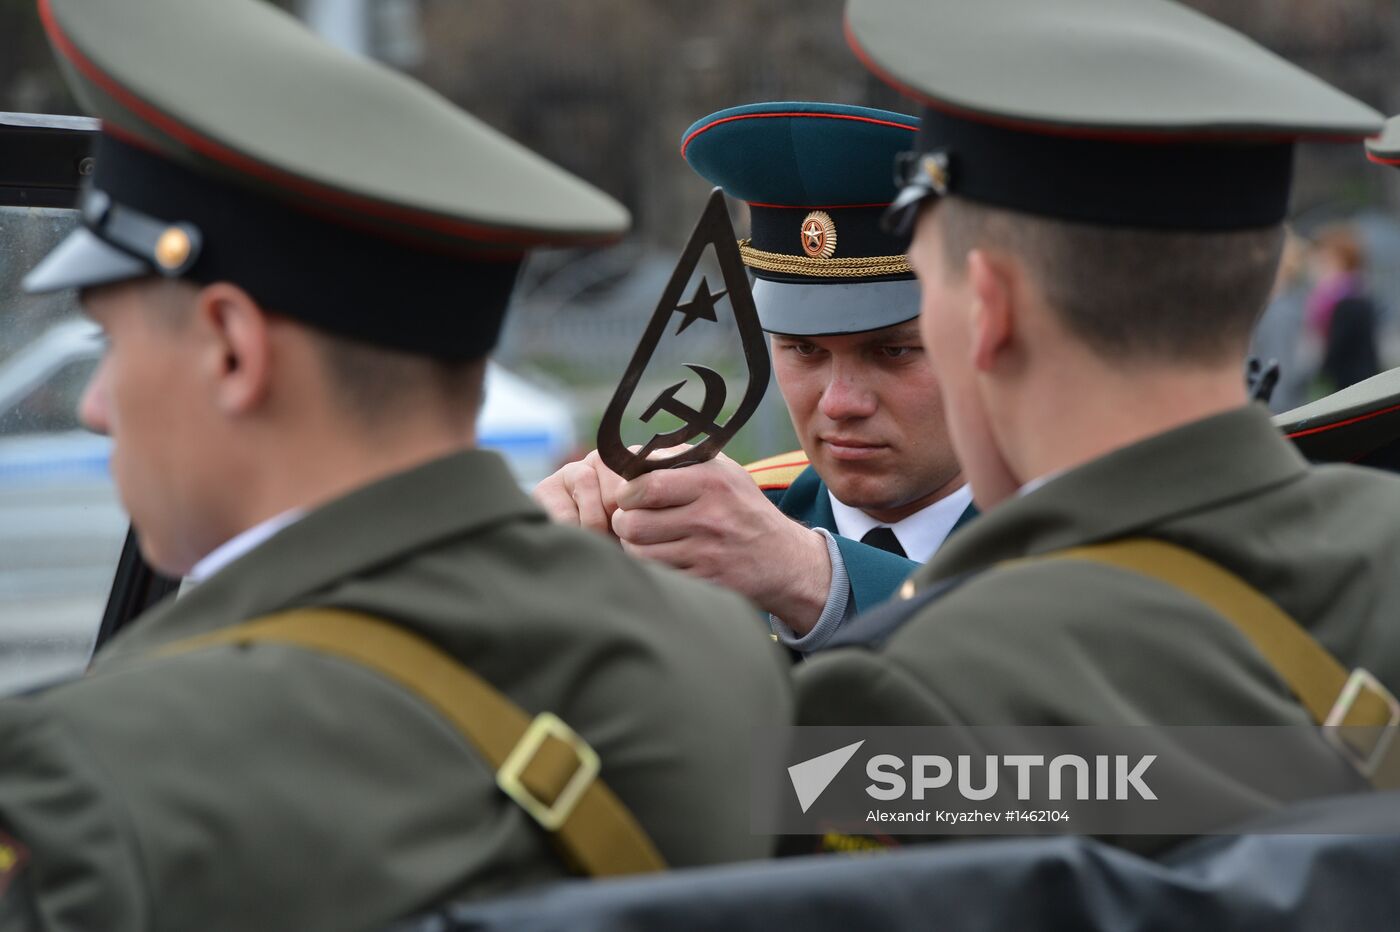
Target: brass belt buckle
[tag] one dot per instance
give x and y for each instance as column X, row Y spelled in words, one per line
column 550, row 816
column 1366, row 761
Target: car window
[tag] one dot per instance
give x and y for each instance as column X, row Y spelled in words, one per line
column 61, row 526
column 51, row 406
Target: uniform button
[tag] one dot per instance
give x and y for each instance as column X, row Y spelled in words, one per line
column 906, row 591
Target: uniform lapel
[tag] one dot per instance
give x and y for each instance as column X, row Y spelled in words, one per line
column 970, row 514
column 806, row 500
column 386, row 521
column 1196, row 466
column 821, row 514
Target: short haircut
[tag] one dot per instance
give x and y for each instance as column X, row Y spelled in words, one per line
column 373, row 383
column 1132, row 295
column 369, row 382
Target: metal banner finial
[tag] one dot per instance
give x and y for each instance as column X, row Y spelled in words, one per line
column 714, row 230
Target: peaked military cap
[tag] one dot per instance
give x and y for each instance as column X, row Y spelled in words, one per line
column 1359, row 424
column 237, row 146
column 1134, row 113
column 817, row 179
column 1385, row 150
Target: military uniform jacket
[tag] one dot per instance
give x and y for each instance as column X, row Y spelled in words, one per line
column 1077, row 643
column 267, row 787
column 794, row 486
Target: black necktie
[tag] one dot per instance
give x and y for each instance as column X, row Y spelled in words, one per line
column 883, row 538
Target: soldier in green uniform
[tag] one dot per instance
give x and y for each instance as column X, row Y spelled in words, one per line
column 1097, row 194
column 876, row 489
column 394, row 680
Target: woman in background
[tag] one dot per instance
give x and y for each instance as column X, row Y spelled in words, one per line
column 1340, row 312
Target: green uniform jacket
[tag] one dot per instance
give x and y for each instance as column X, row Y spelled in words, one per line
column 267, row 787
column 1082, row 644
column 875, row 574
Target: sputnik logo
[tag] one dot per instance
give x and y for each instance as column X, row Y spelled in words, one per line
column 811, row 777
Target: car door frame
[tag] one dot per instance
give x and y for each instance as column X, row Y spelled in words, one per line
column 44, row 159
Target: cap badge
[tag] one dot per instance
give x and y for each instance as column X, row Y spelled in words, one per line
column 819, row 235
column 935, row 166
column 173, row 248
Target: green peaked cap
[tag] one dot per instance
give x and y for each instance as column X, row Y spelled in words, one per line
column 1129, row 113
column 237, row 146
column 241, row 88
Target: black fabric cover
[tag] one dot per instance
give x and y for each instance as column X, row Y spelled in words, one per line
column 1270, row 882
column 358, row 282
column 1154, row 185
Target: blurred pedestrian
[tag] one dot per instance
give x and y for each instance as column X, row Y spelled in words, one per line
column 1340, row 312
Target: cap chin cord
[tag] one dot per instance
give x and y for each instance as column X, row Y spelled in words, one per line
column 170, row 249
column 920, row 177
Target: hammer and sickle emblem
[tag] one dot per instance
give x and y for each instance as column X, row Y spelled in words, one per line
column 713, row 230
column 695, row 422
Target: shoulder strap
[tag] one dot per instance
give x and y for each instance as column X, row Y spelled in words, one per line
column 540, row 763
column 778, row 472
column 1332, row 695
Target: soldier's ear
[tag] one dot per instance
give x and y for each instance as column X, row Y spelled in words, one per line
column 235, row 349
column 992, row 324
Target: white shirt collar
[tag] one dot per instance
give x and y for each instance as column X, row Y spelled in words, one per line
column 1031, row 486
column 230, row 550
column 1038, row 481
column 920, row 534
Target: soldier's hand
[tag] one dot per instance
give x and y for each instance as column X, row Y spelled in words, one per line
column 712, row 520
column 583, row 493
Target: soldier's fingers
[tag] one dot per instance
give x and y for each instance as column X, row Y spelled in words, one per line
column 608, row 481
column 609, row 484
column 552, row 496
column 663, row 488
column 671, row 553
column 588, row 499
column 651, row 526
column 601, row 468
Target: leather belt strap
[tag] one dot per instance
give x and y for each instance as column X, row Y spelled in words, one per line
column 540, row 763
column 1332, row 694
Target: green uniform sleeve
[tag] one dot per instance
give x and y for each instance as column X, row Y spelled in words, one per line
column 75, row 868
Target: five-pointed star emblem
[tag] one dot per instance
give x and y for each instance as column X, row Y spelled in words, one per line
column 701, row 305
column 813, row 232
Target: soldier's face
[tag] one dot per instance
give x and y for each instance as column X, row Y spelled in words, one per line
column 945, row 321
column 869, row 414
column 145, row 395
